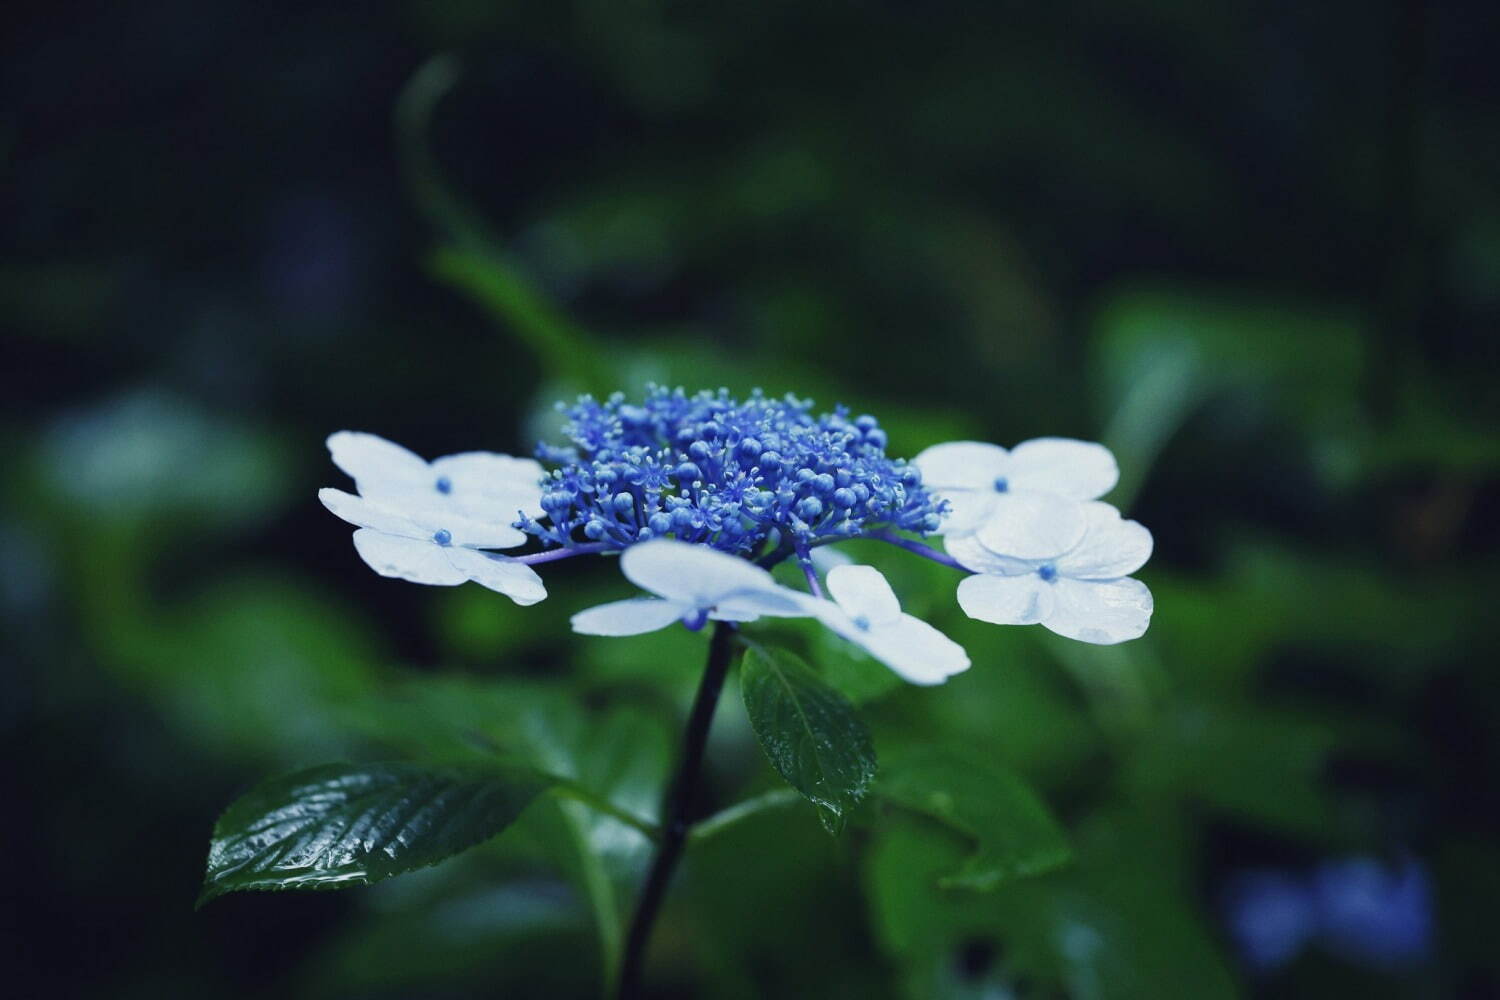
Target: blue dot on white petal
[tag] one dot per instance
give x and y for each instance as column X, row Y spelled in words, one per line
column 443, row 536
column 1002, row 485
column 862, row 622
column 1047, row 572
column 444, row 484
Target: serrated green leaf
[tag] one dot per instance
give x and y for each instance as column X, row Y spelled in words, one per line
column 809, row 731
column 353, row 824
column 1015, row 834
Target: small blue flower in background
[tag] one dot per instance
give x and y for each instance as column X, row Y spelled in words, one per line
column 1271, row 917
column 701, row 494
column 1374, row 913
column 1358, row 908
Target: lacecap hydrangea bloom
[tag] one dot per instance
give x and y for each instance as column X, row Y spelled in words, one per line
column 700, row 495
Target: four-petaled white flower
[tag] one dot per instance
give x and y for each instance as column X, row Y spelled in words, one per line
column 694, row 584
column 865, row 611
column 1084, row 593
column 1024, row 502
column 430, row 522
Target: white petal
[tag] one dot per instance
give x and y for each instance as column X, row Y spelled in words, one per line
column 696, row 574
column 366, row 514
column 748, row 605
column 909, row 646
column 917, row 651
column 633, row 617
column 967, row 509
column 1111, row 547
column 377, row 465
column 464, row 531
column 501, row 574
column 970, row 551
column 969, row 465
column 1078, row 470
column 419, row 518
column 407, row 558
column 491, row 483
column 1006, row 600
column 1100, row 612
column 1032, row 525
column 863, row 593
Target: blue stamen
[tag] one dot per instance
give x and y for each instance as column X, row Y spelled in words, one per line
column 862, row 623
column 444, row 484
column 1002, row 485
column 696, row 620
column 742, row 476
column 443, row 536
column 1047, row 572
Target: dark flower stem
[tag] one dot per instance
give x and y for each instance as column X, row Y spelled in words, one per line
column 678, row 810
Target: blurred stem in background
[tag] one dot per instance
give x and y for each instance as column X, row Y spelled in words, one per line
column 475, row 262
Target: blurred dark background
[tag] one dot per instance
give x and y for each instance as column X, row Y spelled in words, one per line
column 1255, row 248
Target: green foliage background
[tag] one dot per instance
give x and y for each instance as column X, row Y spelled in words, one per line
column 1253, row 248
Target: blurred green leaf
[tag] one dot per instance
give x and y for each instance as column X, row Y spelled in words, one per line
column 353, row 824
column 1016, row 836
column 809, row 731
column 1108, row 928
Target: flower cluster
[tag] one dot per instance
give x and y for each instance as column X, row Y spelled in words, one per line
column 701, row 494
column 1045, row 550
column 735, row 476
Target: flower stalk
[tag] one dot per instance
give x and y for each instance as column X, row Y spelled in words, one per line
column 678, row 810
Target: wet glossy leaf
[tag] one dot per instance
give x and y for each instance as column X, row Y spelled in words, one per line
column 353, row 824
column 1015, row 834
column 809, row 731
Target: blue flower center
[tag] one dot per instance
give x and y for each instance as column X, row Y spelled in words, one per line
column 1002, row 485
column 444, row 485
column 696, row 620
column 751, row 476
column 1047, row 572
column 443, row 536
column 862, row 622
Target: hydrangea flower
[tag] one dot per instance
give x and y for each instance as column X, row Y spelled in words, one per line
column 430, row 522
column 701, row 494
column 1084, row 593
column 865, row 611
column 693, row 584
column 1022, row 502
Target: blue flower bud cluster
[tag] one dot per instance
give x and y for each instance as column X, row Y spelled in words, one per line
column 747, row 477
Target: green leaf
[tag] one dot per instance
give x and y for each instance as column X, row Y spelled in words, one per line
column 1016, row 836
column 809, row 731
column 353, row 824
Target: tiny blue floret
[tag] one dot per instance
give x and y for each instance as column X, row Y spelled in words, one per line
column 750, row 477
